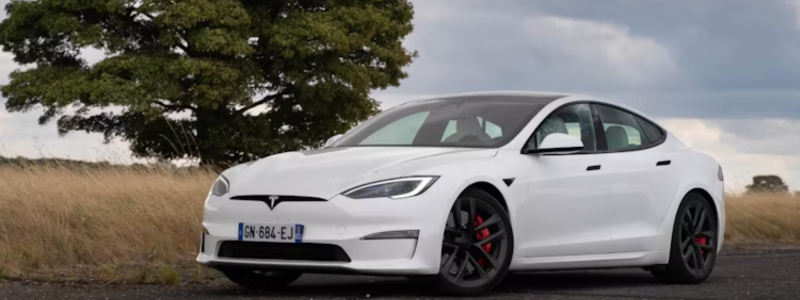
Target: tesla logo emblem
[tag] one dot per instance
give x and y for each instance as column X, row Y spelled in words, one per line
column 273, row 200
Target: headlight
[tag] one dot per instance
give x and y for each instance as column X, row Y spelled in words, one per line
column 220, row 187
column 394, row 188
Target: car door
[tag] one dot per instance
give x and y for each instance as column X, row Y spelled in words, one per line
column 566, row 193
column 639, row 178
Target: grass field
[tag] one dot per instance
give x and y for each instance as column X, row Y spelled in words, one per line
column 115, row 224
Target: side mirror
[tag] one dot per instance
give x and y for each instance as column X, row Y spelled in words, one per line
column 558, row 143
column 332, row 140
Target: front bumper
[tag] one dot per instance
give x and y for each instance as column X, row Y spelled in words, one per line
column 342, row 222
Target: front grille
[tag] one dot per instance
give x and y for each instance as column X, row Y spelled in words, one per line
column 281, row 251
column 274, row 200
column 265, row 198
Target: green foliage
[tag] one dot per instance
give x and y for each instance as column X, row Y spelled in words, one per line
column 168, row 275
column 767, row 184
column 188, row 74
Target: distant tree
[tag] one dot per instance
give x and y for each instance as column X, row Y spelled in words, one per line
column 767, row 184
column 225, row 81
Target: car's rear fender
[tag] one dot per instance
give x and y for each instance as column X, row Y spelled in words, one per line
column 705, row 182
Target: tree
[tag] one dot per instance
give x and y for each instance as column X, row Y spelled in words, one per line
column 767, row 183
column 225, row 81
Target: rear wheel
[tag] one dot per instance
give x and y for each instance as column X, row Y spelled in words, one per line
column 259, row 279
column 694, row 243
column 477, row 245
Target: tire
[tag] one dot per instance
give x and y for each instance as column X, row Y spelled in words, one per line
column 693, row 251
column 261, row 280
column 475, row 255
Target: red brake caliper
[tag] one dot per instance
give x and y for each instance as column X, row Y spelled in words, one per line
column 484, row 233
column 700, row 240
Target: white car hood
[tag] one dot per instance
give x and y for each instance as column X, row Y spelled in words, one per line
column 325, row 173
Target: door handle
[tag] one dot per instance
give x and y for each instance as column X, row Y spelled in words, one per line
column 593, row 168
column 663, row 163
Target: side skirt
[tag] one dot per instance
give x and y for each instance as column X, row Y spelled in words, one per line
column 591, row 261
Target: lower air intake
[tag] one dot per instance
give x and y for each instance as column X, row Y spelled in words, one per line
column 281, row 251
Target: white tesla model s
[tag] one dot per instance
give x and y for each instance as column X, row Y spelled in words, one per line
column 459, row 190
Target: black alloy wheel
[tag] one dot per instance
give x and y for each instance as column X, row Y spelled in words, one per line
column 477, row 245
column 698, row 237
column 694, row 243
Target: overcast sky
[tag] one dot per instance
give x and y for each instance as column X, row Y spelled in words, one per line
column 722, row 75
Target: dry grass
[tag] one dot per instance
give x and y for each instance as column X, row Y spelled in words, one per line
column 763, row 219
column 144, row 225
column 56, row 220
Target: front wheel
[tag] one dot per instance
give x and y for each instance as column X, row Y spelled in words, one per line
column 261, row 280
column 694, row 243
column 477, row 245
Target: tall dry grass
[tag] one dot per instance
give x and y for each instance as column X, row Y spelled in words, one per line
column 763, row 219
column 61, row 220
column 57, row 219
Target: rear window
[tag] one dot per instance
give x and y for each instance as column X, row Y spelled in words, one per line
column 651, row 131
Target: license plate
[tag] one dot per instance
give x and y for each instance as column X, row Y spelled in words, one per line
column 280, row 233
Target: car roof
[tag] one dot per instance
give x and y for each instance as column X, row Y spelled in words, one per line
column 532, row 94
column 537, row 96
column 541, row 97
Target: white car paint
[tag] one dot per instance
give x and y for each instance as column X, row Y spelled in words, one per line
column 562, row 215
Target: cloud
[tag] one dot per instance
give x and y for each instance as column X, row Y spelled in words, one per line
column 22, row 136
column 595, row 55
column 731, row 44
column 700, row 59
column 762, row 136
column 795, row 5
column 472, row 47
column 730, row 149
column 714, row 104
column 7, row 65
column 92, row 55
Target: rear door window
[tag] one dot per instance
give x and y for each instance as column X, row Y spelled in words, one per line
column 622, row 130
column 651, row 131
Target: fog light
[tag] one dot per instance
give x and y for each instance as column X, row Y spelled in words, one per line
column 400, row 234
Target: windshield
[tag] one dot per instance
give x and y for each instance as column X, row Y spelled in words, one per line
column 481, row 122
